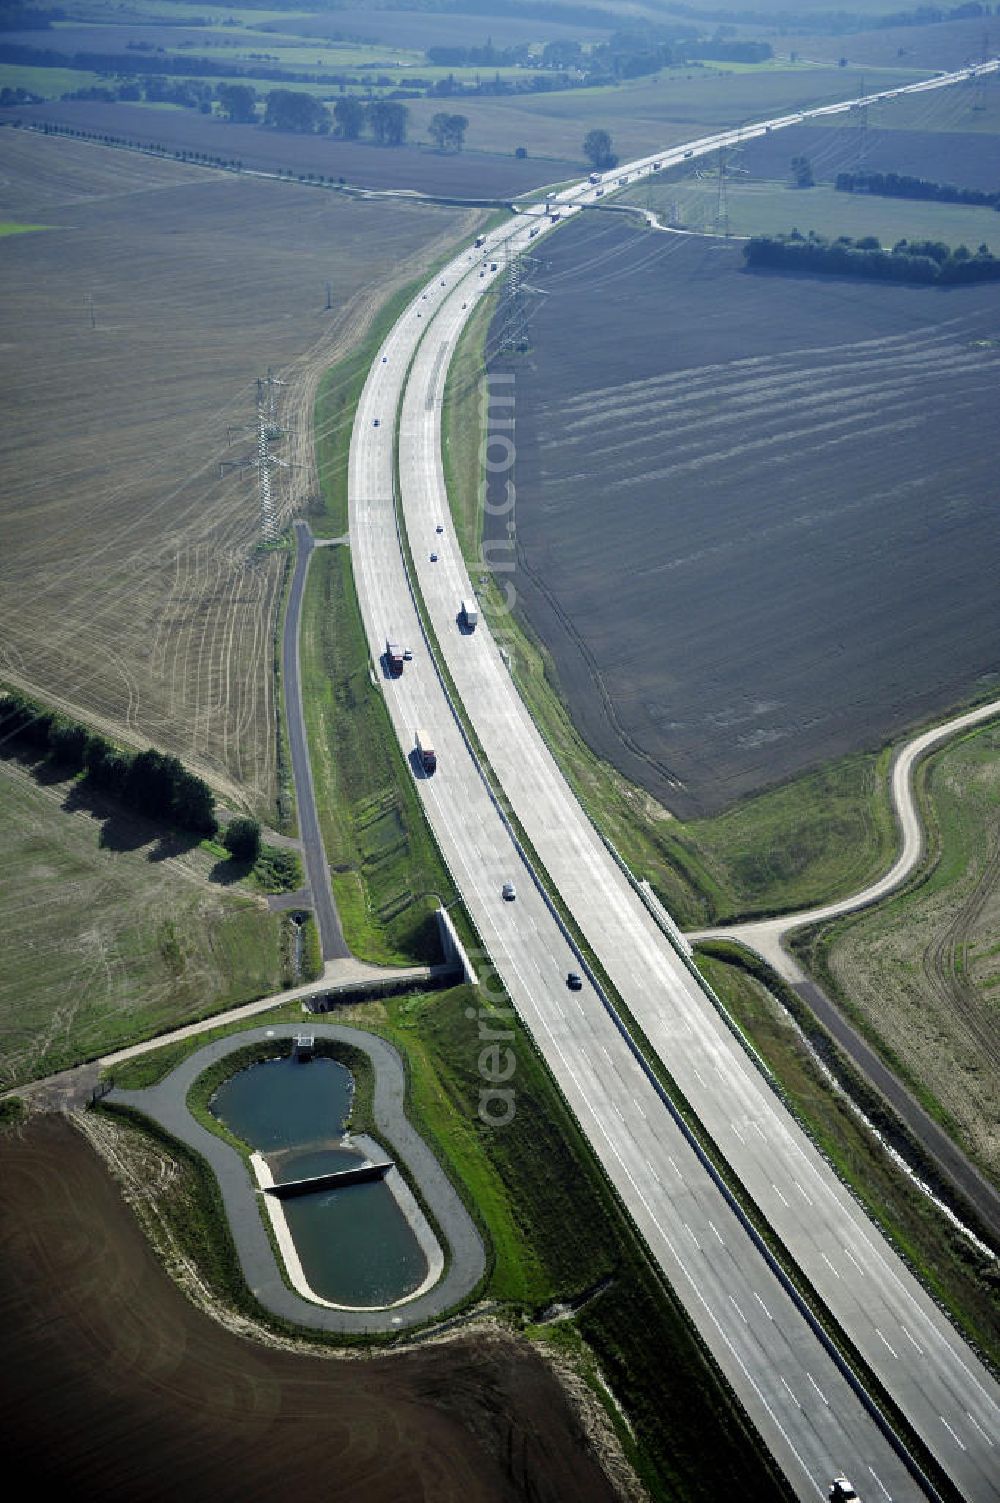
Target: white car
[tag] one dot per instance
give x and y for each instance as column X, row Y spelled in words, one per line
column 841, row 1491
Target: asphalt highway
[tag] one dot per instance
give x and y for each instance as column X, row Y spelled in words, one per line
column 812, row 1420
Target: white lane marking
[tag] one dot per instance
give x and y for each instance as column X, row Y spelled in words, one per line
column 818, row 1389
column 757, row 1128
column 777, row 1192
column 617, row 1111
column 674, row 1168
column 738, row 1133
column 701, row 1078
column 805, row 1197
column 762, row 1305
column 737, row 1309
column 951, row 1432
column 979, row 1427
column 881, row 1484
column 694, row 1239
column 854, row 1260
column 718, row 1234
column 911, row 1340
column 791, row 1395
column 829, row 1265
column 638, row 1106
column 885, row 1343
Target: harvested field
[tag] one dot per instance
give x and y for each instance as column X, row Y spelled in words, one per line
column 136, row 327
column 114, row 929
column 947, row 45
column 672, row 106
column 923, row 971
column 754, row 520
column 470, row 174
column 962, row 157
column 151, row 1400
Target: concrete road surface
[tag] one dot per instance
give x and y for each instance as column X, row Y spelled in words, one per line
column 796, row 1394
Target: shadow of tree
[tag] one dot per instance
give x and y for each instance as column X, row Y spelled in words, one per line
column 228, row 872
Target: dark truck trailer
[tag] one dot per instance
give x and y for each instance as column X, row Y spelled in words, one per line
column 394, row 657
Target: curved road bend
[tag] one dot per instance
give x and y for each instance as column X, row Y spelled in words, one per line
column 166, row 1104
column 767, row 937
column 794, row 1392
column 331, row 934
column 776, row 1365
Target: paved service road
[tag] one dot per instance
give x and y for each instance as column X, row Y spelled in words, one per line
column 165, row 1103
column 792, row 1388
column 767, row 937
column 318, row 872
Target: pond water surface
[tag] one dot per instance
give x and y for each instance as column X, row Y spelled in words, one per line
column 354, row 1243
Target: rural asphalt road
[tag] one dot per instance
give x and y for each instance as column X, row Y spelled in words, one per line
column 767, row 938
column 165, row 1103
column 777, row 1363
column 331, row 934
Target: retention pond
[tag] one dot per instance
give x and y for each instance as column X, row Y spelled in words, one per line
column 353, row 1241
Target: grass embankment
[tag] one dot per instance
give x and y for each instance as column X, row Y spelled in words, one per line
column 817, row 837
column 919, row 975
column 555, row 1231
column 386, row 871
column 962, row 1279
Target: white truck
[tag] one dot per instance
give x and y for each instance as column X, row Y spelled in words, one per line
column 425, row 751
column 469, row 613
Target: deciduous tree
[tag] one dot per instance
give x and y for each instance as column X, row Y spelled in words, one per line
column 597, row 149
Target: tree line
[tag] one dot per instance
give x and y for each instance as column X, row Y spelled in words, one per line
column 926, row 261
column 150, row 782
column 895, row 185
column 385, row 119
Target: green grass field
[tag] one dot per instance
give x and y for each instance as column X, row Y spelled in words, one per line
column 113, row 933
column 49, row 83
column 763, row 208
column 20, row 229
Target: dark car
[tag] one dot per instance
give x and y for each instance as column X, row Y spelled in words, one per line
column 574, row 981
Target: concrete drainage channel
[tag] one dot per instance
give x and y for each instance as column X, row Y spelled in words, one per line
column 452, row 1273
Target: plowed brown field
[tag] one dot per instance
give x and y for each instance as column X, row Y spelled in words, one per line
column 755, row 514
column 135, row 328
column 114, row 1387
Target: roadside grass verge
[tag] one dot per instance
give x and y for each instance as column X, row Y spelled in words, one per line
column 386, row 871
column 960, row 1278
